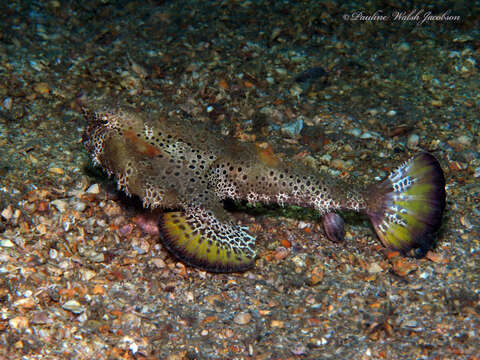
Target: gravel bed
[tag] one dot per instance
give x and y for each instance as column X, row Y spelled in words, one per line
column 83, row 278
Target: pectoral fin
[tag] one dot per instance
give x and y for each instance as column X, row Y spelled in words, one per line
column 199, row 238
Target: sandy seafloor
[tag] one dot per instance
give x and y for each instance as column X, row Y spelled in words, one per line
column 80, row 279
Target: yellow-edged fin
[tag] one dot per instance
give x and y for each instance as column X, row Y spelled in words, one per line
column 406, row 208
column 198, row 238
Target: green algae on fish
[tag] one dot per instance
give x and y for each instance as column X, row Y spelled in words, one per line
column 180, row 167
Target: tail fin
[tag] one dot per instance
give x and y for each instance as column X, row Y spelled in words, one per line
column 199, row 239
column 406, row 208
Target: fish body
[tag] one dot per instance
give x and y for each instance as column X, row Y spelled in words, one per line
column 178, row 166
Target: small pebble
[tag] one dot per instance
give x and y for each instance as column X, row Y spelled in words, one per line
column 242, row 318
column 56, row 170
column 374, row 268
column 457, row 166
column 277, row 324
column 88, row 274
column 7, row 103
column 413, row 141
column 327, row 158
column 281, row 71
column 469, row 155
column 349, row 148
column 292, row 129
column 296, row 90
column 42, row 206
column 41, row 88
column 454, row 54
column 303, row 224
column 97, row 257
column 402, row 267
column 424, row 275
column 341, row 164
column 159, row 263
column 74, row 306
column 281, row 253
column 7, row 213
column 67, row 226
column 299, row 261
column 80, row 206
column 125, row 230
column 409, row 323
column 477, row 172
column 18, row 323
column 464, row 140
column 355, row 132
column 299, row 350
column 404, row 46
column 366, row 135
column 6, row 243
column 275, row 33
column 60, row 204
column 138, row 69
column 41, row 317
column 463, row 38
column 133, row 348
column 141, row 247
column 465, row 221
column 93, row 189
